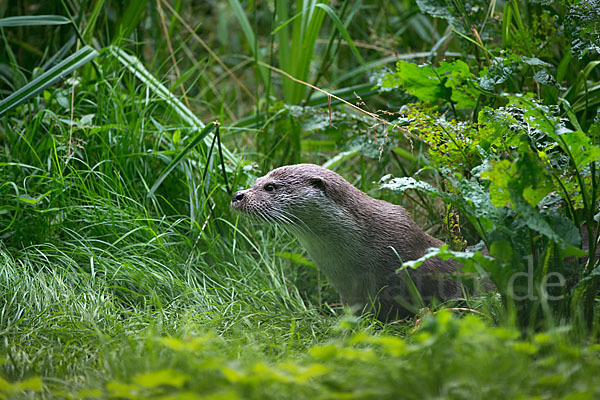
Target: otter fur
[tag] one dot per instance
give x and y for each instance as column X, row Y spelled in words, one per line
column 357, row 241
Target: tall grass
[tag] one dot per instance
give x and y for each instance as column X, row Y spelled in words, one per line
column 123, row 272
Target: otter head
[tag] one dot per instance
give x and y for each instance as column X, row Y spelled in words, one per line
column 299, row 197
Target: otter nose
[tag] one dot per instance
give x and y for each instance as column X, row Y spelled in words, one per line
column 238, row 196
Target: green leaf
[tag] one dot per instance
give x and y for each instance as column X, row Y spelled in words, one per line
column 176, row 137
column 232, row 375
column 35, row 384
column 442, row 9
column 122, row 390
column 167, row 377
column 296, row 258
column 285, row 23
column 523, row 178
column 582, row 24
column 192, row 71
column 471, row 262
column 418, row 80
column 56, row 73
column 545, row 78
column 304, row 37
column 534, row 220
column 340, row 157
column 501, row 250
column 408, row 183
column 499, row 175
column 473, row 199
column 565, row 228
column 91, row 20
column 580, row 147
column 31, row 20
column 5, row 386
column 449, row 82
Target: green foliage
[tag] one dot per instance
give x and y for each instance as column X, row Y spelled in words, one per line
column 353, row 363
column 37, row 85
column 124, row 274
column 582, row 26
column 533, row 164
column 449, row 82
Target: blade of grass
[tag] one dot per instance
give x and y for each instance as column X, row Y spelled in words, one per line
column 238, row 11
column 304, row 38
column 137, row 68
column 210, row 51
column 30, row 20
column 58, row 72
column 330, row 51
column 91, row 23
column 130, row 19
column 283, row 40
column 342, row 29
column 195, row 140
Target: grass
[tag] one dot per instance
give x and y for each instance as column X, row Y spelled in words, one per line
column 109, row 294
column 124, row 272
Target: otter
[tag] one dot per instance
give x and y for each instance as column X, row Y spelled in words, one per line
column 358, row 242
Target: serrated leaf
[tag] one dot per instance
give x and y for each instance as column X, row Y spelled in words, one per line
column 580, row 147
column 545, row 78
column 407, row 183
column 471, row 262
column 582, row 24
column 447, row 82
column 421, row 81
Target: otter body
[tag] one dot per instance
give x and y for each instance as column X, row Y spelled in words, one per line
column 357, row 241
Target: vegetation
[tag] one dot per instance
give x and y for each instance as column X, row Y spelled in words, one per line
column 126, row 126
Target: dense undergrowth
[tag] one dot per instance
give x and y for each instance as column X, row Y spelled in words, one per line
column 124, row 273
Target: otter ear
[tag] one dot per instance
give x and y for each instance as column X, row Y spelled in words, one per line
column 328, row 188
column 317, row 182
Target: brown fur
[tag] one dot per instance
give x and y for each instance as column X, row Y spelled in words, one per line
column 358, row 242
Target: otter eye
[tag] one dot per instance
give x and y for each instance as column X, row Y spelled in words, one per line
column 269, row 187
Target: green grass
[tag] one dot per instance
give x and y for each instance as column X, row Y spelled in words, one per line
column 109, row 294
column 124, row 272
